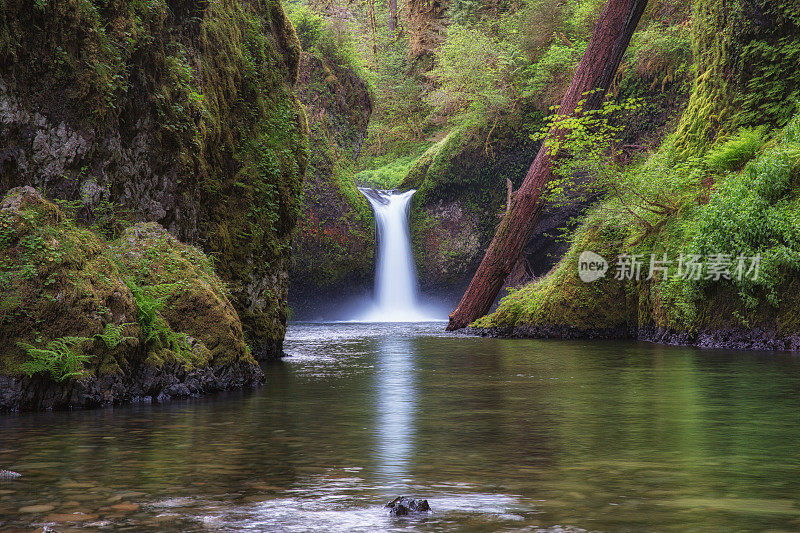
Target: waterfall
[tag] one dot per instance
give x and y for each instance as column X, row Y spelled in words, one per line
column 396, row 292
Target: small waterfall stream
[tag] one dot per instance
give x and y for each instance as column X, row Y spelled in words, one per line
column 396, row 291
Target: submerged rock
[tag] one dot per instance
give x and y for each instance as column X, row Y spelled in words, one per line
column 403, row 506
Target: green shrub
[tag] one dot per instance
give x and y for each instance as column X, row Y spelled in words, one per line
column 327, row 39
column 756, row 212
column 470, row 70
column 550, row 75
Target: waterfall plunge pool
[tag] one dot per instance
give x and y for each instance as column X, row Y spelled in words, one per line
column 497, row 434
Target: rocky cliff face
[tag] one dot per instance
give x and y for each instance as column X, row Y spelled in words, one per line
column 176, row 112
column 334, row 246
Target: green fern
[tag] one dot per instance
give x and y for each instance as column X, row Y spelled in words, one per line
column 155, row 330
column 738, row 150
column 112, row 335
column 61, row 358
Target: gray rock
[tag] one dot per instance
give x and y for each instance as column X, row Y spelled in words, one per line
column 403, row 506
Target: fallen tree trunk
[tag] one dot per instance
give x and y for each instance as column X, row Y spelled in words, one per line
column 591, row 81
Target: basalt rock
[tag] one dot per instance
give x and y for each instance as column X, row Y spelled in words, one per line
column 403, row 506
column 180, row 113
column 711, row 338
column 142, row 383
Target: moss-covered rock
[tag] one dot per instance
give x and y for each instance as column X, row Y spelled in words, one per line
column 462, row 183
column 177, row 112
column 193, row 299
column 94, row 323
column 746, row 56
column 57, row 280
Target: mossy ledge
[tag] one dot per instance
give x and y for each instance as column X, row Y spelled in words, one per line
column 85, row 322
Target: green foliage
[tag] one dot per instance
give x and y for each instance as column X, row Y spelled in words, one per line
column 156, row 332
column 735, row 152
column 755, row 212
column 112, row 335
column 61, row 359
column 469, row 72
column 661, row 54
column 553, row 68
column 325, row 38
column 400, row 112
column 774, row 84
column 587, row 144
column 389, row 175
column 745, row 68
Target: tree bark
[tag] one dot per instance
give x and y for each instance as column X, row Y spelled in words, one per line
column 392, row 15
column 592, row 78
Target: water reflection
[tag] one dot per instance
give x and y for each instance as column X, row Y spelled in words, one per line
column 396, row 407
column 496, row 434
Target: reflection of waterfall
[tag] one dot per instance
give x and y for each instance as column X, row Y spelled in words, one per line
column 396, row 409
column 396, row 298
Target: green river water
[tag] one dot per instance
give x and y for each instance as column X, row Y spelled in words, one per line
column 498, row 435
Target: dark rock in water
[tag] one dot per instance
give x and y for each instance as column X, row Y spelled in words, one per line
column 403, row 506
column 5, row 475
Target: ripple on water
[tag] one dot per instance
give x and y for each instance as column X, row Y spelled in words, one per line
column 333, row 511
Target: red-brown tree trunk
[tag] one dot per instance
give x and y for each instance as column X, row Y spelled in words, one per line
column 594, row 73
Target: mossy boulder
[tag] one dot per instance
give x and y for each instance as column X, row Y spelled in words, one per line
column 181, row 113
column 84, row 322
column 194, row 300
column 58, row 280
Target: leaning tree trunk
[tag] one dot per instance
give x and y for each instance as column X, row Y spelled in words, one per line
column 591, row 80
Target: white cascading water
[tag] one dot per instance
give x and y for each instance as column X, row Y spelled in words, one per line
column 396, row 292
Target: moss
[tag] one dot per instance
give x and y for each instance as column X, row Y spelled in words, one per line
column 561, row 299
column 208, row 87
column 746, row 56
column 194, row 300
column 57, row 280
column 61, row 282
column 415, row 175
